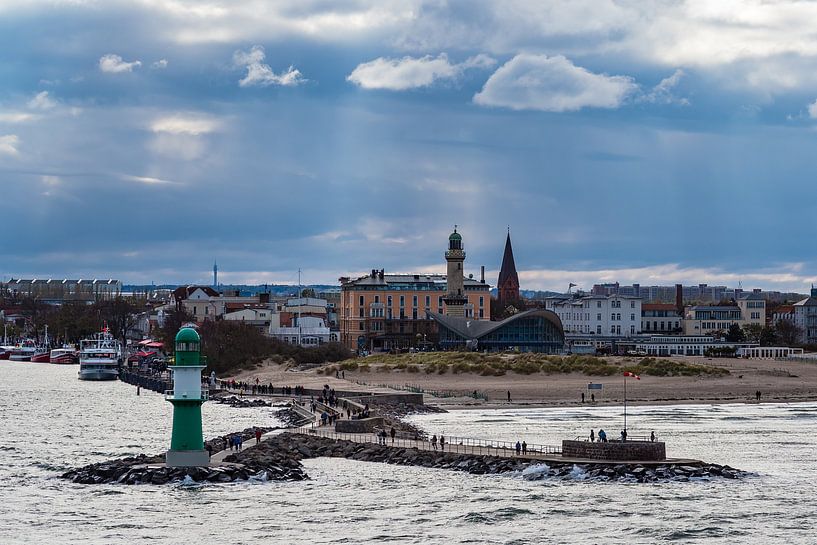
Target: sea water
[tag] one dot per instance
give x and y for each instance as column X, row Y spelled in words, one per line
column 50, row 422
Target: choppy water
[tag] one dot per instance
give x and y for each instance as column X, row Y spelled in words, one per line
column 50, row 421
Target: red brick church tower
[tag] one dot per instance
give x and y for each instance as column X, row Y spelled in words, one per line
column 508, row 284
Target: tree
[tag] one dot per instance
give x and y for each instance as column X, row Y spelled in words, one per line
column 735, row 334
column 788, row 333
column 768, row 337
column 173, row 322
column 119, row 314
column 308, row 292
column 752, row 332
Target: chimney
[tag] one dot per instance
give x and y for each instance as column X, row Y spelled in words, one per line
column 482, row 274
column 679, row 299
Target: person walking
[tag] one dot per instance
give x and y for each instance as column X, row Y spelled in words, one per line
column 623, row 435
column 509, row 396
column 434, row 442
column 442, row 443
column 757, row 395
column 524, row 447
column 518, row 448
column 257, row 435
column 602, row 436
column 592, row 398
column 582, row 397
column 652, row 437
column 393, row 434
column 592, row 436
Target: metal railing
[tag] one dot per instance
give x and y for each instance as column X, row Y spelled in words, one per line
column 630, row 438
column 205, row 395
column 453, row 444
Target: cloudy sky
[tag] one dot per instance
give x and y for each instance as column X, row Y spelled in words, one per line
column 632, row 140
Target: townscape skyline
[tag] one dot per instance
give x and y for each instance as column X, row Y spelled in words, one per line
column 635, row 142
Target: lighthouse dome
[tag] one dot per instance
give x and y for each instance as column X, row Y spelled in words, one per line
column 187, row 335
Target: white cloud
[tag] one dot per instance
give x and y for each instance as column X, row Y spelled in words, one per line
column 9, row 143
column 410, row 72
column 148, row 180
column 261, row 74
column 663, row 92
column 189, row 124
column 812, row 110
column 113, row 64
column 552, row 84
column 42, row 101
column 17, row 117
column 51, row 180
column 161, row 64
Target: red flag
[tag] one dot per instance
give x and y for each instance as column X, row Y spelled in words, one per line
column 629, row 374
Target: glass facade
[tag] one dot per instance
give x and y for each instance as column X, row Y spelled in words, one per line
column 534, row 333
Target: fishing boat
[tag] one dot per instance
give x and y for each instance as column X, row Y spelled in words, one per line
column 65, row 355
column 100, row 357
column 24, row 350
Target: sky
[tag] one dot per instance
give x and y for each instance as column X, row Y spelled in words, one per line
column 630, row 140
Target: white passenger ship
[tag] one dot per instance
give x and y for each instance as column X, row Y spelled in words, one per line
column 100, row 357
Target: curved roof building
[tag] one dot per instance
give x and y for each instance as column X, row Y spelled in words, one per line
column 530, row 331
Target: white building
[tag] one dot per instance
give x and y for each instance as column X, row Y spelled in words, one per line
column 805, row 317
column 262, row 318
column 684, row 345
column 611, row 315
column 309, row 331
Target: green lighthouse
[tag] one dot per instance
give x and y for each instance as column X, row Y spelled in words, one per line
column 187, row 442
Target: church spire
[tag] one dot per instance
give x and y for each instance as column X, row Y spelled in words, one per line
column 508, row 283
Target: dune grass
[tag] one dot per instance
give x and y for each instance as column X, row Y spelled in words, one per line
column 522, row 364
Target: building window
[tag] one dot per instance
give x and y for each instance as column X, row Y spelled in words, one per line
column 414, row 314
column 632, row 304
column 388, row 300
column 428, row 301
column 414, row 301
column 440, row 303
column 598, row 329
column 481, row 302
column 618, row 330
column 361, row 313
column 376, row 298
column 481, row 314
column 612, row 329
column 389, row 313
column 598, row 304
column 402, row 300
column 618, row 316
column 632, row 330
column 361, row 300
column 598, row 316
column 194, row 310
column 632, row 317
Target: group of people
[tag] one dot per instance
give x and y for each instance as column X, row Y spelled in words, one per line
column 521, row 448
column 602, row 436
column 234, row 441
column 382, row 436
column 592, row 397
column 434, row 442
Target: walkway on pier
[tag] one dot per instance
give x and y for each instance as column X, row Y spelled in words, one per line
column 478, row 447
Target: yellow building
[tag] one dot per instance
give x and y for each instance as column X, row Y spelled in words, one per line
column 390, row 311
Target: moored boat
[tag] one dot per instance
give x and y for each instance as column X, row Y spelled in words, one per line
column 24, row 350
column 64, row 355
column 41, row 356
column 100, row 357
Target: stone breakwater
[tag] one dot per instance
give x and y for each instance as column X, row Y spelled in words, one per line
column 279, row 458
column 144, row 469
column 299, row 446
column 241, row 403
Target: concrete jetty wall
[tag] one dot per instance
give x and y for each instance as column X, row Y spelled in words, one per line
column 644, row 451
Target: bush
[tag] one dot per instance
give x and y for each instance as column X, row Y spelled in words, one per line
column 413, row 369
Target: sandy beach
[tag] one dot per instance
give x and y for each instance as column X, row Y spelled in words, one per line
column 778, row 381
